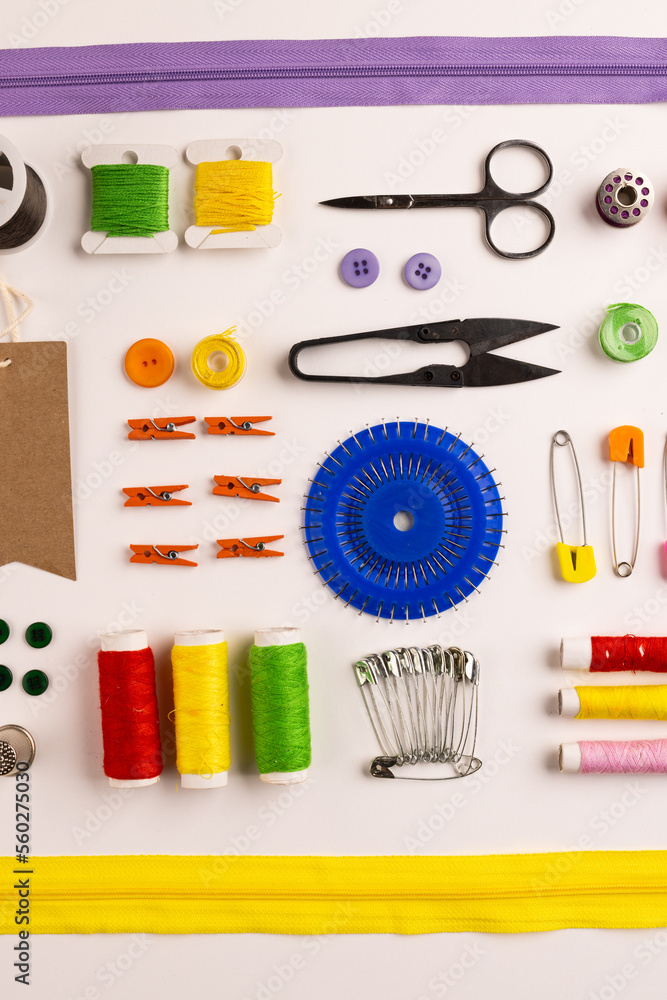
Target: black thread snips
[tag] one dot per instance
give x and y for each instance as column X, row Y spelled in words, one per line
column 481, row 368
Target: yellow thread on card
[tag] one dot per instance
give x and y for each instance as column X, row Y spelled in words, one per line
column 234, row 195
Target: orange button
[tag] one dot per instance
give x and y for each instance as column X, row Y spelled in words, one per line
column 149, row 363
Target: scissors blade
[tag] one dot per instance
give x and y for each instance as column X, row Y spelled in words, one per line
column 492, row 369
column 371, row 201
column 482, row 335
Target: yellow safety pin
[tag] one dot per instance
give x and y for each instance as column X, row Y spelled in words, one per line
column 626, row 444
column 577, row 562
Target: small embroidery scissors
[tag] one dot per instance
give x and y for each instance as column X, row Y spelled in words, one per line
column 492, row 200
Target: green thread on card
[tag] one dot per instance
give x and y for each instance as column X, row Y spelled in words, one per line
column 130, row 199
column 281, row 723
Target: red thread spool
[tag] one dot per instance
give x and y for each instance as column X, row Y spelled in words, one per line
column 130, row 720
column 610, row 654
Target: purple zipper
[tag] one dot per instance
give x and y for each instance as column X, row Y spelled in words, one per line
column 329, row 73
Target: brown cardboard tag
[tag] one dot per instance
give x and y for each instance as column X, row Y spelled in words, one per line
column 36, row 522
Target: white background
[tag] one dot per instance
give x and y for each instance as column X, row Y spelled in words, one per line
column 520, row 805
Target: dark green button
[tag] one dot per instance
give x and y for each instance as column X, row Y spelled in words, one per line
column 38, row 635
column 35, row 682
column 5, row 678
column 4, row 631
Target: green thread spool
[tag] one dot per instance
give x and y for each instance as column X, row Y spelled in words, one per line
column 628, row 332
column 279, row 683
column 130, row 199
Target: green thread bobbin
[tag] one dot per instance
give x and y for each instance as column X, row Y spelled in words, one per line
column 628, row 333
column 130, row 199
column 279, row 684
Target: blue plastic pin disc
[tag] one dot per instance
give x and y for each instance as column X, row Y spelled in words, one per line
column 403, row 520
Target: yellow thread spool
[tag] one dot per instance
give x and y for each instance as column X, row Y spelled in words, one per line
column 201, row 708
column 623, row 701
column 234, row 195
column 225, row 345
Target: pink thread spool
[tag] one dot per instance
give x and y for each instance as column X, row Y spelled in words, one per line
column 613, row 757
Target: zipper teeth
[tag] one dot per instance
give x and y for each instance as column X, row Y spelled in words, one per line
column 314, row 72
column 139, row 893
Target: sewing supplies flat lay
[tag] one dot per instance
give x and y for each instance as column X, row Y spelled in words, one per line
column 492, row 200
column 481, row 368
column 402, row 521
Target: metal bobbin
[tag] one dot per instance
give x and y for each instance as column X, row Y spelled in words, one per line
column 624, row 198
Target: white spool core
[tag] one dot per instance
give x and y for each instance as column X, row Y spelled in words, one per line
column 202, row 637
column 280, row 637
column 128, row 641
column 569, row 703
column 576, row 654
column 569, row 758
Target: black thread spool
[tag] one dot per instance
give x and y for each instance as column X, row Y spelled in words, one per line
column 23, row 201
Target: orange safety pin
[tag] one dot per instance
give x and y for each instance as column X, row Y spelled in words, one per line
column 162, row 554
column 158, row 428
column 154, row 496
column 236, row 425
column 234, row 486
column 626, row 444
column 232, row 548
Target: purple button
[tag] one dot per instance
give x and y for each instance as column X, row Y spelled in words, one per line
column 423, row 271
column 359, row 268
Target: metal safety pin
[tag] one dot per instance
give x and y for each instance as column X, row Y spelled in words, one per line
column 577, row 562
column 626, row 444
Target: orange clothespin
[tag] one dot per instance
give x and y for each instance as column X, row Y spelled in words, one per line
column 250, row 488
column 158, row 428
column 163, row 555
column 154, row 496
column 236, row 425
column 232, row 548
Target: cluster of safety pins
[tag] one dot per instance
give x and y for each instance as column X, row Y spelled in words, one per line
column 577, row 562
column 422, row 704
column 243, row 487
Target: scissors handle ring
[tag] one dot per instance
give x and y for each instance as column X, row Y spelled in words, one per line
column 496, row 196
column 490, row 214
column 491, row 187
